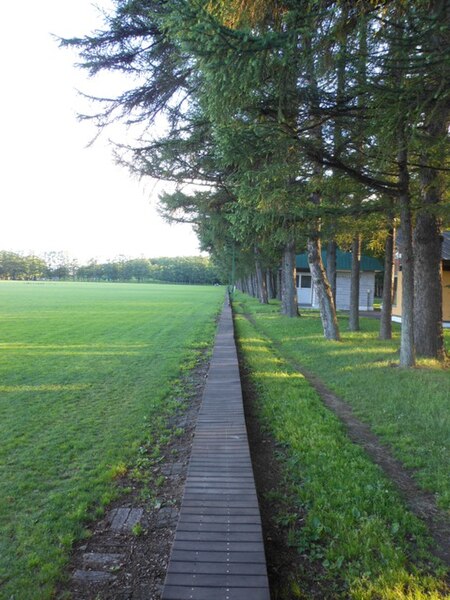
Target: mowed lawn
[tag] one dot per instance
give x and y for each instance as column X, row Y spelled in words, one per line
column 83, row 367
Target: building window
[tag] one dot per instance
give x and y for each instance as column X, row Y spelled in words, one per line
column 394, row 291
column 306, row 281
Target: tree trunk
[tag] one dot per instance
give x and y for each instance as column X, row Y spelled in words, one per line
column 407, row 349
column 260, row 279
column 388, row 279
column 251, row 285
column 279, row 279
column 246, row 286
column 320, row 282
column 428, row 331
column 254, row 285
column 269, row 284
column 322, row 289
column 353, row 323
column 331, row 267
column 289, row 304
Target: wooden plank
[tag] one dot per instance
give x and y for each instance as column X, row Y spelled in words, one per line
column 205, row 519
column 216, row 580
column 199, row 525
column 217, row 568
column 221, row 546
column 224, row 535
column 220, row 557
column 172, row 592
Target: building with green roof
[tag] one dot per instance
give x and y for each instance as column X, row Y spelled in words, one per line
column 369, row 266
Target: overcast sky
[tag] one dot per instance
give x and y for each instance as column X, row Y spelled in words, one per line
column 55, row 193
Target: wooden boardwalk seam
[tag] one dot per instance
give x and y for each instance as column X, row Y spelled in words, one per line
column 218, row 551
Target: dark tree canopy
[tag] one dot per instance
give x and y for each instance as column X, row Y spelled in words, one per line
column 289, row 123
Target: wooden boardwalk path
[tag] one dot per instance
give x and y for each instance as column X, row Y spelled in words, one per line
column 218, row 552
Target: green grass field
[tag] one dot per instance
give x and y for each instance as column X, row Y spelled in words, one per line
column 83, row 368
column 360, row 538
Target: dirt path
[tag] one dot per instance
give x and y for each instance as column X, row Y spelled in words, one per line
column 420, row 502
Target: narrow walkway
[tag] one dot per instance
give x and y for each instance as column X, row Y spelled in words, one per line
column 218, row 552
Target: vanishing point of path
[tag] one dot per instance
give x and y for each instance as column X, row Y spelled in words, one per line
column 218, row 551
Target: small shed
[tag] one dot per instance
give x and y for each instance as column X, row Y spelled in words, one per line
column 369, row 266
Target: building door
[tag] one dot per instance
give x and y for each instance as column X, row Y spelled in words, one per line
column 304, row 288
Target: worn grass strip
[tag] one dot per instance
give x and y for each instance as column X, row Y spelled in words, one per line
column 83, row 369
column 409, row 409
column 356, row 526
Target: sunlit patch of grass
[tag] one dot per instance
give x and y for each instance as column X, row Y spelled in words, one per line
column 408, row 408
column 356, row 528
column 71, row 387
column 86, row 371
column 253, row 341
column 279, row 375
column 407, row 587
column 13, row 346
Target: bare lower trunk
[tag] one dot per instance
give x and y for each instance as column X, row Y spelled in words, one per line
column 279, row 285
column 260, row 280
column 407, row 349
column 269, row 284
column 331, row 267
column 323, row 290
column 251, row 285
column 289, row 305
column 353, row 323
column 388, row 278
column 255, row 285
column 428, row 331
column 320, row 282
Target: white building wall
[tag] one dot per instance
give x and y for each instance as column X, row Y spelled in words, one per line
column 343, row 290
column 366, row 291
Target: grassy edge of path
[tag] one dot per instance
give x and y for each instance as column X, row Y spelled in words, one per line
column 355, row 526
column 407, row 408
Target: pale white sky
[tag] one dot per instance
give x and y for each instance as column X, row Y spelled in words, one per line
column 56, row 194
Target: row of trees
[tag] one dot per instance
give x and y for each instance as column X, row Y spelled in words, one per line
column 16, row 266
column 53, row 265
column 56, row 265
column 192, row 269
column 295, row 124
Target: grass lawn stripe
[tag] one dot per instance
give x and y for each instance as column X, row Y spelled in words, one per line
column 356, row 525
column 83, row 367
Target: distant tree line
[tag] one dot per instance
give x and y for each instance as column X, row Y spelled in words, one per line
column 17, row 266
column 57, row 266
